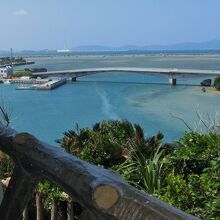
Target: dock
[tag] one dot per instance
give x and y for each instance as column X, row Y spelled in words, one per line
column 25, row 81
column 53, row 84
column 35, row 84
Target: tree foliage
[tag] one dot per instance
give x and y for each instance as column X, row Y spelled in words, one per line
column 186, row 175
column 217, row 83
column 19, row 73
column 8, row 60
column 192, row 181
column 109, row 143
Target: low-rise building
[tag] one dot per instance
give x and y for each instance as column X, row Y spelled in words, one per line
column 6, row 72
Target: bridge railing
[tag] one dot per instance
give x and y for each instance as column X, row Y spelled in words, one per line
column 101, row 193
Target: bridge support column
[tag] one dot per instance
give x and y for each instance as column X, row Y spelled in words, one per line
column 172, row 81
column 73, row 79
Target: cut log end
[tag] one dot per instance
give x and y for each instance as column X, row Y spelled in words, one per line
column 21, row 138
column 26, row 139
column 105, row 196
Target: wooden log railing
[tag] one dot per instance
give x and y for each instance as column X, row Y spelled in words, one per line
column 102, row 193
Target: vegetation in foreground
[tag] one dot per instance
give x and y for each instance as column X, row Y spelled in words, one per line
column 186, row 175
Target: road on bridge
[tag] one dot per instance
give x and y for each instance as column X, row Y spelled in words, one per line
column 172, row 73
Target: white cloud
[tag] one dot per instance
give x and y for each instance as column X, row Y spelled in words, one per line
column 20, row 12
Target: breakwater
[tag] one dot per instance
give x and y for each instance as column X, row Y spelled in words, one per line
column 25, row 81
column 46, row 85
column 53, row 84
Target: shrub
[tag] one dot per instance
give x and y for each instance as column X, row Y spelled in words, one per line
column 110, row 143
column 192, row 183
column 217, row 83
column 19, row 73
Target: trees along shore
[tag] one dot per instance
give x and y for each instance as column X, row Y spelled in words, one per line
column 185, row 174
column 9, row 60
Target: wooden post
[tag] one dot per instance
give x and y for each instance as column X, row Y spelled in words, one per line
column 17, row 195
column 70, row 212
column 39, row 206
column 54, row 210
column 25, row 213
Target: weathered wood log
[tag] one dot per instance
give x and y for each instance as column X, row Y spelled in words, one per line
column 102, row 192
column 88, row 215
column 17, row 195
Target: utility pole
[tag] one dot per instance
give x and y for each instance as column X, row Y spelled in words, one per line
column 11, row 57
column 11, row 69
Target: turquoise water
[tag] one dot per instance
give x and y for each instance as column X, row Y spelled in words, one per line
column 143, row 99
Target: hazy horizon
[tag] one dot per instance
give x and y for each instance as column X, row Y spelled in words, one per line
column 54, row 24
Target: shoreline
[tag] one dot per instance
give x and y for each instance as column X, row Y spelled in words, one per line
column 70, row 56
column 212, row 90
column 209, row 90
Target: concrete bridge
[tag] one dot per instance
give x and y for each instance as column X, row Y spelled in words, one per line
column 171, row 73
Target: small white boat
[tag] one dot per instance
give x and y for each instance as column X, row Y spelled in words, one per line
column 64, row 51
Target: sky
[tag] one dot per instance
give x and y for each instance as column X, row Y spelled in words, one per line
column 55, row 24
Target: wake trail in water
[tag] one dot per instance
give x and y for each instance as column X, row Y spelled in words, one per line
column 107, row 107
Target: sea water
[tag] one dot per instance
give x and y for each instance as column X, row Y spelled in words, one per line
column 144, row 99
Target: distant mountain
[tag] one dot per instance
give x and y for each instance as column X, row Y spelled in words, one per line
column 93, row 48
column 213, row 44
column 187, row 46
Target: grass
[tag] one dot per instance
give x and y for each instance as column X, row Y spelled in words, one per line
column 19, row 73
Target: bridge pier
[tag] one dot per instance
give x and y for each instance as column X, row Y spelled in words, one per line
column 172, row 81
column 73, row 79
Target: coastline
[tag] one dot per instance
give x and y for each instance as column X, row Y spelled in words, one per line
column 90, row 55
column 212, row 91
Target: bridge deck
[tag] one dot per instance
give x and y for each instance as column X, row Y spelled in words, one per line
column 164, row 71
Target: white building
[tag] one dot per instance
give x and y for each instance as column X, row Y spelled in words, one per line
column 6, row 72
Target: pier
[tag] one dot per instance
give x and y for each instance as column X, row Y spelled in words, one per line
column 25, row 81
column 47, row 85
column 171, row 73
column 53, row 84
